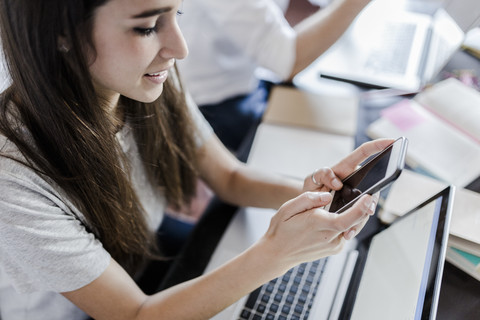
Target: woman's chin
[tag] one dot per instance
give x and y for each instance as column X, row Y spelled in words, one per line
column 148, row 97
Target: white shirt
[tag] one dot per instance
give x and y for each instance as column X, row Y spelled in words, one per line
column 228, row 40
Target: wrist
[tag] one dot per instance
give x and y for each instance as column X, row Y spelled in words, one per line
column 269, row 258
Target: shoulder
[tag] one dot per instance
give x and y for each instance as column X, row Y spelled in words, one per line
column 22, row 188
column 15, row 172
column 38, row 223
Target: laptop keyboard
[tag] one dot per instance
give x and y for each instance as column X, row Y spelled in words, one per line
column 393, row 50
column 287, row 297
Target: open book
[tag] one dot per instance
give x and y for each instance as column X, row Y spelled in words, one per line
column 442, row 124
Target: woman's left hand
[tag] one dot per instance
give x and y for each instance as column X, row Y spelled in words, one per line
column 328, row 179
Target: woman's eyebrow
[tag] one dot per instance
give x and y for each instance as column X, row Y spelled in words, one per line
column 151, row 13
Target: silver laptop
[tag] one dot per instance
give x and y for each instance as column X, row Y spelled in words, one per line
column 399, row 44
column 393, row 273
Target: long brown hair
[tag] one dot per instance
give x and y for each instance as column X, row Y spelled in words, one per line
column 74, row 145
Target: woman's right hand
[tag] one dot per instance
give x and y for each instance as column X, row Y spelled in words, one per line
column 301, row 231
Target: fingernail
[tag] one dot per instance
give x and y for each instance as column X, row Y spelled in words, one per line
column 324, row 196
column 350, row 234
column 336, row 183
column 373, row 206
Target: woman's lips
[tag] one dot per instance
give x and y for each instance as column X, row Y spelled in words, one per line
column 157, row 77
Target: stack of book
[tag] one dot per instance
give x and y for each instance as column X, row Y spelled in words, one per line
column 441, row 124
column 411, row 188
column 472, row 42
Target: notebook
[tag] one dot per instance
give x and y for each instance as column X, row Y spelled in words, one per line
column 326, row 112
column 399, row 44
column 296, row 152
column 395, row 273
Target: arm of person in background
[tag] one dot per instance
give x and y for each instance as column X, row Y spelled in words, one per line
column 319, row 31
column 260, row 29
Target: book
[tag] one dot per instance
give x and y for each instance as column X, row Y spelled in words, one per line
column 471, row 44
column 465, row 261
column 441, row 123
column 411, row 188
column 332, row 113
column 466, row 245
column 296, row 151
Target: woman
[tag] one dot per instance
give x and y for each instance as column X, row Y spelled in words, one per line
column 96, row 138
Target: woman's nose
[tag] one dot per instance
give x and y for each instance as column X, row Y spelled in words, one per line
column 174, row 45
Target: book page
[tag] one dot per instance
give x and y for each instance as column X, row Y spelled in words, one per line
column 454, row 103
column 439, row 149
column 296, row 152
column 409, row 190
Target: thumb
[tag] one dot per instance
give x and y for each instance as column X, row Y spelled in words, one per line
column 304, row 202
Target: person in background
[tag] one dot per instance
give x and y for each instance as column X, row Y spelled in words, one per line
column 97, row 138
column 230, row 40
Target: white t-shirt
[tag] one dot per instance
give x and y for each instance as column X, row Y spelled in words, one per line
column 44, row 247
column 228, row 41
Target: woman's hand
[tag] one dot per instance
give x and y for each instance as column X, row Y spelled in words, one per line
column 327, row 179
column 302, row 231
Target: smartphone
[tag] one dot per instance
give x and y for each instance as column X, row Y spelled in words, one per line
column 378, row 172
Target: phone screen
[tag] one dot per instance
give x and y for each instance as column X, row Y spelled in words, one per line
column 362, row 180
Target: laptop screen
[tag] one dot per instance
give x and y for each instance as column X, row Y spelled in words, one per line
column 394, row 285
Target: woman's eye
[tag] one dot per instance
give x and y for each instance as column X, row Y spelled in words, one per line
column 161, row 21
column 145, row 31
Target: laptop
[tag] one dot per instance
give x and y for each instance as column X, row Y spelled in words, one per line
column 399, row 44
column 393, row 273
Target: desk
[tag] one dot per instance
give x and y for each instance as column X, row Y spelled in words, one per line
column 460, row 295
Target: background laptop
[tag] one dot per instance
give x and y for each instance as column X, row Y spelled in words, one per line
column 399, row 44
column 394, row 273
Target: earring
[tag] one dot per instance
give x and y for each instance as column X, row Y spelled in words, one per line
column 63, row 48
